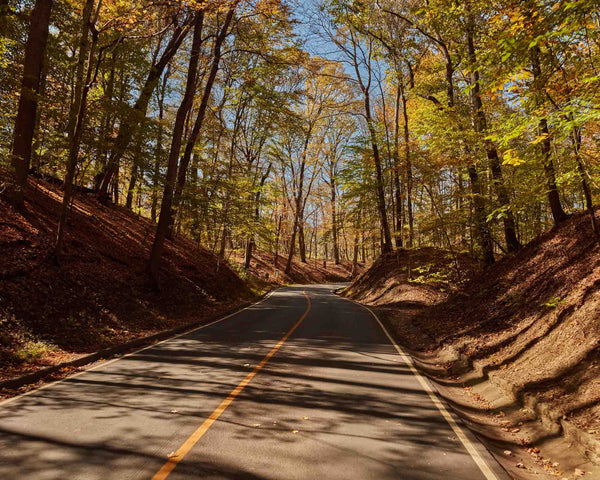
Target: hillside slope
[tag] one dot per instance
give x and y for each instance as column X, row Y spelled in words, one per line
column 98, row 295
column 532, row 320
column 263, row 271
column 528, row 325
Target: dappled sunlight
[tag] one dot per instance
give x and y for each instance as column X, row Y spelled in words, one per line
column 336, row 388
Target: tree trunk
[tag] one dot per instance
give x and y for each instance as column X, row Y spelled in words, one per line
column 277, row 235
column 84, row 44
column 301, row 241
column 397, row 183
column 408, row 166
column 355, row 253
column 298, row 206
column 135, row 167
column 334, row 226
column 250, row 241
column 158, row 151
column 35, row 50
column 191, row 142
column 387, row 239
column 131, row 121
column 479, row 122
column 76, row 141
column 186, row 103
column 481, row 227
column 288, row 265
column 558, row 214
column 589, row 206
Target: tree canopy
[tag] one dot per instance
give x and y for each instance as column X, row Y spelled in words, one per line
column 335, row 133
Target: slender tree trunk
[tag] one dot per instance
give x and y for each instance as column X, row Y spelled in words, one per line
column 165, row 215
column 76, row 141
column 479, row 122
column 5, row 11
column 84, row 43
column 589, row 206
column 301, row 240
column 355, row 254
column 558, row 213
column 250, row 241
column 334, row 225
column 135, row 167
column 288, row 265
column 397, row 166
column 107, row 123
column 24, row 129
column 193, row 137
column 298, row 206
column 483, row 233
column 387, row 238
column 277, row 235
column 408, row 166
column 158, row 152
column 132, row 120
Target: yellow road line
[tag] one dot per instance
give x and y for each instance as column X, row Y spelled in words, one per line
column 184, row 449
column 475, row 455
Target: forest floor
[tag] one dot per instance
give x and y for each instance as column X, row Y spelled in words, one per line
column 96, row 295
column 514, row 348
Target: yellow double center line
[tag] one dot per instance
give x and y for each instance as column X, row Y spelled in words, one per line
column 184, row 449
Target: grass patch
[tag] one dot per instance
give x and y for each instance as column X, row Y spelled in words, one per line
column 32, row 351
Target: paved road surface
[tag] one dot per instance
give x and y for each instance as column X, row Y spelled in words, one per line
column 335, row 400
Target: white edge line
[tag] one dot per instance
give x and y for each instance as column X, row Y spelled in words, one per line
column 103, row 363
column 477, row 458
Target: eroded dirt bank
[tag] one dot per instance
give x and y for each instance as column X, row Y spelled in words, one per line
column 515, row 347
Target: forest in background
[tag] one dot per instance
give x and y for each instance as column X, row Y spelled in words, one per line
column 471, row 126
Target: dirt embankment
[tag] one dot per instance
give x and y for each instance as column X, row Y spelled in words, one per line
column 97, row 295
column 263, row 270
column 528, row 326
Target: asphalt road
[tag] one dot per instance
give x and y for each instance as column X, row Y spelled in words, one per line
column 299, row 386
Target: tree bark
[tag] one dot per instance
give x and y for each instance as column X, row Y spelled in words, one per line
column 558, row 213
column 182, row 112
column 158, row 151
column 132, row 120
column 277, row 235
column 386, row 237
column 479, row 122
column 250, row 241
column 483, row 232
column 76, row 137
column 334, row 226
column 397, row 166
column 24, row 129
column 135, row 167
column 408, row 166
column 587, row 194
column 193, row 137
